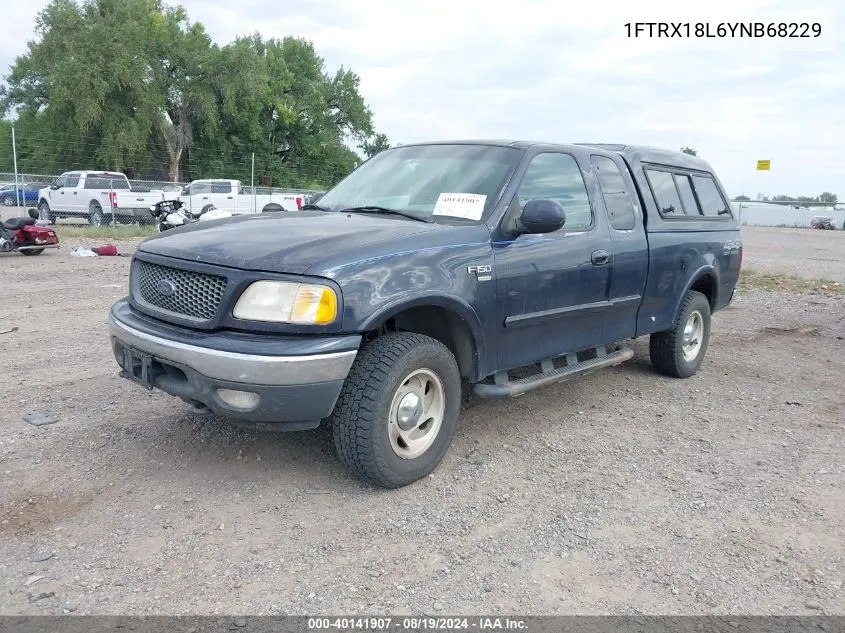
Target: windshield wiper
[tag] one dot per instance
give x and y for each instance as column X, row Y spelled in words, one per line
column 374, row 209
column 313, row 207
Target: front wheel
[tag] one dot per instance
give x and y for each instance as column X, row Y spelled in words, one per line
column 679, row 352
column 398, row 410
column 9, row 201
column 44, row 214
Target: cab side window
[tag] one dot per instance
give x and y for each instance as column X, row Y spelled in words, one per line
column 617, row 198
column 555, row 176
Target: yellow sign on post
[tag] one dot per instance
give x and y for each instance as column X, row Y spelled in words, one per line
column 764, row 165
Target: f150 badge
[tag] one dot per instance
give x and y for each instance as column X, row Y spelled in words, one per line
column 481, row 271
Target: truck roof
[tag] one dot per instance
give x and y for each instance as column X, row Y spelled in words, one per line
column 632, row 153
column 95, row 172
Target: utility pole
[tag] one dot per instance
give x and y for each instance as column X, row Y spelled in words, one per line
column 15, row 156
column 252, row 184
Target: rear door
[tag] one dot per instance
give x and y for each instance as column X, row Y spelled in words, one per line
column 222, row 196
column 553, row 288
column 629, row 245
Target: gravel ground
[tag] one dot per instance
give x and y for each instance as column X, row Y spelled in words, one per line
column 805, row 252
column 623, row 492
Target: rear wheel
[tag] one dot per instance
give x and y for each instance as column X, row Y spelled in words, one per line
column 95, row 215
column 398, row 409
column 36, row 251
column 272, row 208
column 679, row 352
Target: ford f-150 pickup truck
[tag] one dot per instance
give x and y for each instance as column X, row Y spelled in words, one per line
column 432, row 269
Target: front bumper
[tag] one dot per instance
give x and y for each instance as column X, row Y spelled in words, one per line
column 293, row 380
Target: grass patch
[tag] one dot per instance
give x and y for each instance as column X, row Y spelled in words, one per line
column 121, row 231
column 750, row 278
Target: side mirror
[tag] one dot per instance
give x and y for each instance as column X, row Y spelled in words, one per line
column 54, row 186
column 541, row 216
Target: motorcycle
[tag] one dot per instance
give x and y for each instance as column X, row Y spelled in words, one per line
column 172, row 213
column 26, row 236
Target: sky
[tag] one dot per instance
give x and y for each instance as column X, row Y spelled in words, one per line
column 546, row 70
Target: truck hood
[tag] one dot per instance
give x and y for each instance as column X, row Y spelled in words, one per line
column 288, row 243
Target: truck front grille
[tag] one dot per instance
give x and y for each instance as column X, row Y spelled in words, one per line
column 183, row 292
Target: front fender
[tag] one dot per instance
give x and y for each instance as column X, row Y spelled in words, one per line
column 449, row 302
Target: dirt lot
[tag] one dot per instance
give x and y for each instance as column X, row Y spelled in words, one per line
column 623, row 492
column 805, row 252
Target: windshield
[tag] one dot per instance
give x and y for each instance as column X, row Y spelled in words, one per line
column 435, row 182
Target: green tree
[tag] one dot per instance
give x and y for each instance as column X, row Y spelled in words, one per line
column 134, row 85
column 742, row 199
column 373, row 146
column 828, row 198
column 689, row 150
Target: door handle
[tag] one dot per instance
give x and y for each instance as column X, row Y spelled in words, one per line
column 229, row 198
column 600, row 258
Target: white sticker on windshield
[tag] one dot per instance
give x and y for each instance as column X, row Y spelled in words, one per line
column 461, row 205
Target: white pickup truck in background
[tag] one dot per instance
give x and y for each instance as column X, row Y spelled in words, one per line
column 233, row 197
column 98, row 196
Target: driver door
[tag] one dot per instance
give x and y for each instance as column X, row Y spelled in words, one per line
column 58, row 196
column 552, row 288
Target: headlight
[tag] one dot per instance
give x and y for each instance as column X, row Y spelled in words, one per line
column 287, row 302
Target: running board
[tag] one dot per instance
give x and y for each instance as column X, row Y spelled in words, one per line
column 504, row 388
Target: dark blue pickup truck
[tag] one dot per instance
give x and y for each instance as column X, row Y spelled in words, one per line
column 431, row 270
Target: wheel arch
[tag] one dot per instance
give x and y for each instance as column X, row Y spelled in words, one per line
column 706, row 281
column 446, row 319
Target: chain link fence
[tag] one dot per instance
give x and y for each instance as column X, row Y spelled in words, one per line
column 32, row 180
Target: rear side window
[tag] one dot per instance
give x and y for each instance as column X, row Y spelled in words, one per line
column 105, row 182
column 553, row 176
column 712, row 203
column 221, row 187
column 617, row 198
column 687, row 197
column 665, row 194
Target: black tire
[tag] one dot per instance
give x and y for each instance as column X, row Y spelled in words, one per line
column 9, row 201
column 667, row 349
column 95, row 215
column 44, row 212
column 32, row 253
column 207, row 208
column 361, row 416
column 145, row 219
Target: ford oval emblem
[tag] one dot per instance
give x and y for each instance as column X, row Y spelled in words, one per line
column 165, row 287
